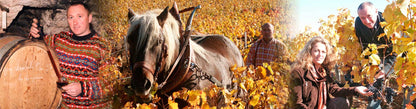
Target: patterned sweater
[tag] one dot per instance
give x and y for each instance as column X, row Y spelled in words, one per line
column 262, row 52
column 80, row 60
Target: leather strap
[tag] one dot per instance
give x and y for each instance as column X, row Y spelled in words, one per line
column 55, row 67
column 185, row 48
column 174, row 67
column 145, row 66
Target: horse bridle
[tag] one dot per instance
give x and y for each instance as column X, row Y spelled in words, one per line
column 163, row 55
column 184, row 52
column 161, row 59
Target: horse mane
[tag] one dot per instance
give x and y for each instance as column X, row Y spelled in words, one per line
column 214, row 54
column 148, row 25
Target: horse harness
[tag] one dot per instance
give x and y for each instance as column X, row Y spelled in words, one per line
column 184, row 69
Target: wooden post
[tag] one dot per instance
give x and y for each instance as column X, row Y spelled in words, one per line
column 3, row 21
column 245, row 40
column 3, row 16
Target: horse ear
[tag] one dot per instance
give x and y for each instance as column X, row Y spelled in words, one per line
column 131, row 13
column 174, row 11
column 163, row 16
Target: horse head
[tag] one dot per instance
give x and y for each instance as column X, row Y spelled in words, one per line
column 153, row 41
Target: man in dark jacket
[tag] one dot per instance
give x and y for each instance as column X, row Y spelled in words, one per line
column 367, row 29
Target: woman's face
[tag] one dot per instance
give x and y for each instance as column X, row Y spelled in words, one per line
column 318, row 53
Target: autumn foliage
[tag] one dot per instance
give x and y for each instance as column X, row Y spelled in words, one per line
column 240, row 20
column 399, row 26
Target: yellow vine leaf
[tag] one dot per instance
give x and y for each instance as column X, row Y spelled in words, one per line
column 388, row 13
column 213, row 92
column 261, row 72
column 399, row 81
column 383, row 24
column 358, row 78
column 173, row 105
column 193, row 97
column 366, row 52
column 409, row 106
column 373, row 48
column 371, row 72
column 404, row 6
column 255, row 100
column 206, row 106
column 381, row 35
column 243, row 87
column 374, row 59
column 413, row 97
column 241, row 69
column 203, row 96
column 412, row 54
column 145, row 106
column 234, row 67
column 128, row 105
column 269, row 68
column 226, row 95
column 355, row 71
column 272, row 99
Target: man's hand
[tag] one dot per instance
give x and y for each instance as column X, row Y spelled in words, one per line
column 363, row 91
column 34, row 31
column 73, row 89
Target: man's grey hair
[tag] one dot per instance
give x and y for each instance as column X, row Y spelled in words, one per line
column 362, row 5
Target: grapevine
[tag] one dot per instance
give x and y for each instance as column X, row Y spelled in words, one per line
column 266, row 86
column 235, row 19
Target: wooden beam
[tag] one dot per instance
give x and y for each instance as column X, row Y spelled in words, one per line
column 3, row 21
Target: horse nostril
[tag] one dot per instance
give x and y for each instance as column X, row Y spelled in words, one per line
column 147, row 84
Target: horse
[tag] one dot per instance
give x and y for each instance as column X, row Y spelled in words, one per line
column 164, row 58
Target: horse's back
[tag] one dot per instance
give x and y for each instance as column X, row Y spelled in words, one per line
column 221, row 45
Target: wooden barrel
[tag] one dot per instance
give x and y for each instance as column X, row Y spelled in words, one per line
column 27, row 76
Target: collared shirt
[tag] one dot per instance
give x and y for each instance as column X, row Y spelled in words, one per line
column 262, row 52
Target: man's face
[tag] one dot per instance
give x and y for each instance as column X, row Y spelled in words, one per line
column 79, row 20
column 368, row 16
column 267, row 31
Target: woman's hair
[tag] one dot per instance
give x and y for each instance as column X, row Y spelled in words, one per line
column 304, row 58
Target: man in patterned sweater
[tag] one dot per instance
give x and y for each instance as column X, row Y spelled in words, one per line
column 81, row 53
column 267, row 49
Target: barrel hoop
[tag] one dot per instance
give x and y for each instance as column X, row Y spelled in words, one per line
column 7, row 47
column 53, row 101
column 6, row 50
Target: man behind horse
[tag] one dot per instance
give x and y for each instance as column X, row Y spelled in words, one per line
column 81, row 53
column 267, row 49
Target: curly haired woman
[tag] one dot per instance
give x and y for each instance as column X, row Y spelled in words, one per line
column 311, row 83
